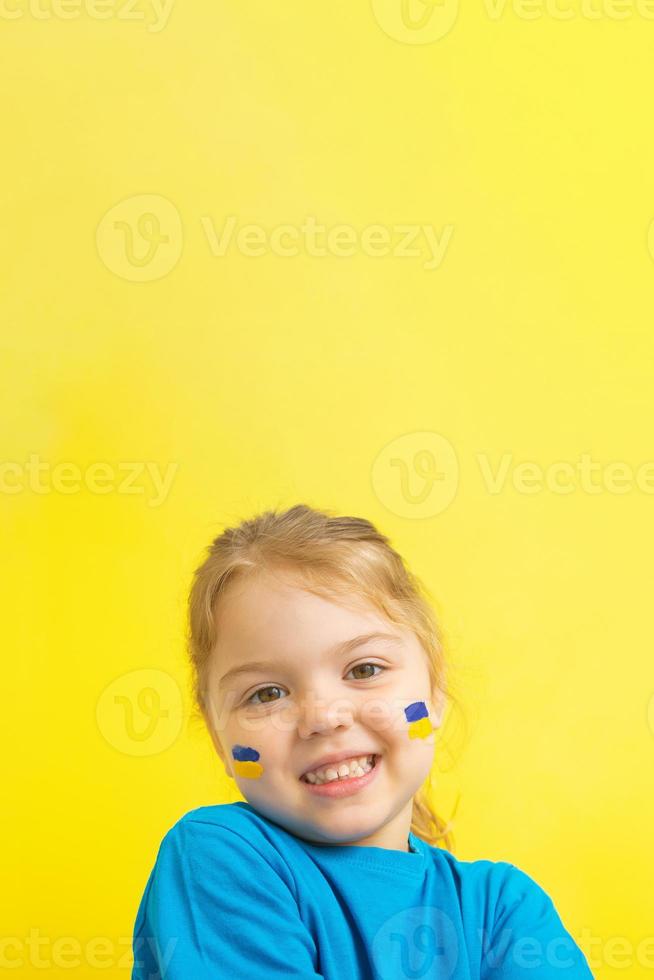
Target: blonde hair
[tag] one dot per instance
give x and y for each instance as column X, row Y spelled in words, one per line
column 335, row 556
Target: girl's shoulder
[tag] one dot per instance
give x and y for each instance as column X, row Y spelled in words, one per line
column 237, row 817
column 217, row 881
column 229, row 833
column 499, row 884
column 465, row 869
column 231, row 819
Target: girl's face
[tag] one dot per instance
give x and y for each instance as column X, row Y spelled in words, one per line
column 305, row 691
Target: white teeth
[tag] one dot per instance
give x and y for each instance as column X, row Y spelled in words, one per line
column 344, row 770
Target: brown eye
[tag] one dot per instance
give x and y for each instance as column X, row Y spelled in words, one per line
column 366, row 676
column 262, row 690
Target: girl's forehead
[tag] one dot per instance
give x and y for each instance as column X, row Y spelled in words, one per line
column 277, row 599
column 261, row 618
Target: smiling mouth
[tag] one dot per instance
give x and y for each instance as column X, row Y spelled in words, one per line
column 338, row 779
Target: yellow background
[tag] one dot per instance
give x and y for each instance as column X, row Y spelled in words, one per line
column 276, row 379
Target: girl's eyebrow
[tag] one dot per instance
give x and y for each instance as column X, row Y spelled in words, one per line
column 340, row 648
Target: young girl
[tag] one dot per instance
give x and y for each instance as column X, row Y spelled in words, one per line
column 318, row 668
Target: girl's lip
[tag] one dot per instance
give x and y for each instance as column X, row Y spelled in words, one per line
column 338, row 788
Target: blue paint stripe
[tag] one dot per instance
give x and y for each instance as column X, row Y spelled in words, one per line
column 416, row 711
column 245, row 754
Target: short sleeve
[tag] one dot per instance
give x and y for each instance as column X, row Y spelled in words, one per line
column 214, row 908
column 528, row 938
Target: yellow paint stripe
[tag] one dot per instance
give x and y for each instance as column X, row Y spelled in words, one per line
column 420, row 729
column 252, row 770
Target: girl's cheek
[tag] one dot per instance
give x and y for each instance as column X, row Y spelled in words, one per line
column 417, row 715
column 246, row 762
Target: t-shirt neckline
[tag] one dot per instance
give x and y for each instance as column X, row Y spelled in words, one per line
column 412, row 862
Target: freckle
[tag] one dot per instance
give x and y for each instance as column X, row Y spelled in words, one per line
column 246, row 763
column 418, row 717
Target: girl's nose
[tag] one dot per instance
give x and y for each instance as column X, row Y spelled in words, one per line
column 318, row 715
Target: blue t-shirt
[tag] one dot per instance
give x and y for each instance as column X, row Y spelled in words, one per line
column 233, row 895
